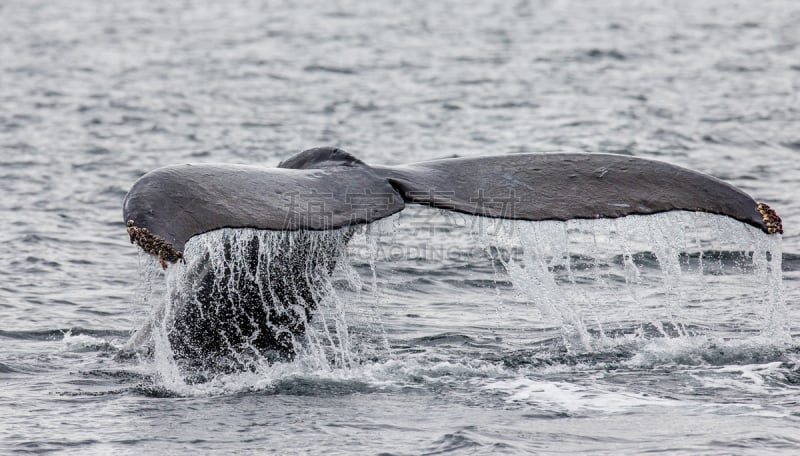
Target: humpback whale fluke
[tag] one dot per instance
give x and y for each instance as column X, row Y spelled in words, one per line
column 328, row 189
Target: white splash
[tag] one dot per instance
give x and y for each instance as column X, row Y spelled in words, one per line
column 655, row 270
column 85, row 343
column 553, row 273
column 337, row 335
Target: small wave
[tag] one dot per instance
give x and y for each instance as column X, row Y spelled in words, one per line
column 762, row 442
column 116, row 374
column 54, row 334
column 328, row 69
column 85, row 343
column 444, row 339
column 6, row 369
column 573, row 397
column 704, row 350
column 611, row 54
column 755, row 372
column 298, row 378
column 319, row 387
column 154, row 391
column 454, row 442
column 648, row 351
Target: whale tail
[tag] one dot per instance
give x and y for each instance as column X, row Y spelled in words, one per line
column 256, row 293
column 327, row 188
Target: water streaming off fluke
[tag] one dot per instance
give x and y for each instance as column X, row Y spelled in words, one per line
column 657, row 270
column 272, row 302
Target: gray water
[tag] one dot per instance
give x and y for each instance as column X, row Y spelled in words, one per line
column 676, row 333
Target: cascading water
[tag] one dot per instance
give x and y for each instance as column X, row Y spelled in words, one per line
column 246, row 299
column 659, row 267
column 600, row 282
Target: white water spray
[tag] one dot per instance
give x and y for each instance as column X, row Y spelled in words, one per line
column 554, row 277
column 580, row 275
column 289, row 272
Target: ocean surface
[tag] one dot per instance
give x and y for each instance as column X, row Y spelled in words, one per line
column 442, row 334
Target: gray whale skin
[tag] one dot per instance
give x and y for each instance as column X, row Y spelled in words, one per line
column 327, row 188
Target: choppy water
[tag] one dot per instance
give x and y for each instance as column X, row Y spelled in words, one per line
column 659, row 334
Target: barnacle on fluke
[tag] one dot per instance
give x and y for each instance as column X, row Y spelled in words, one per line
column 771, row 219
column 153, row 245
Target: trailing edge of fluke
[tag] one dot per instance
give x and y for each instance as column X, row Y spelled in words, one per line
column 328, row 188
